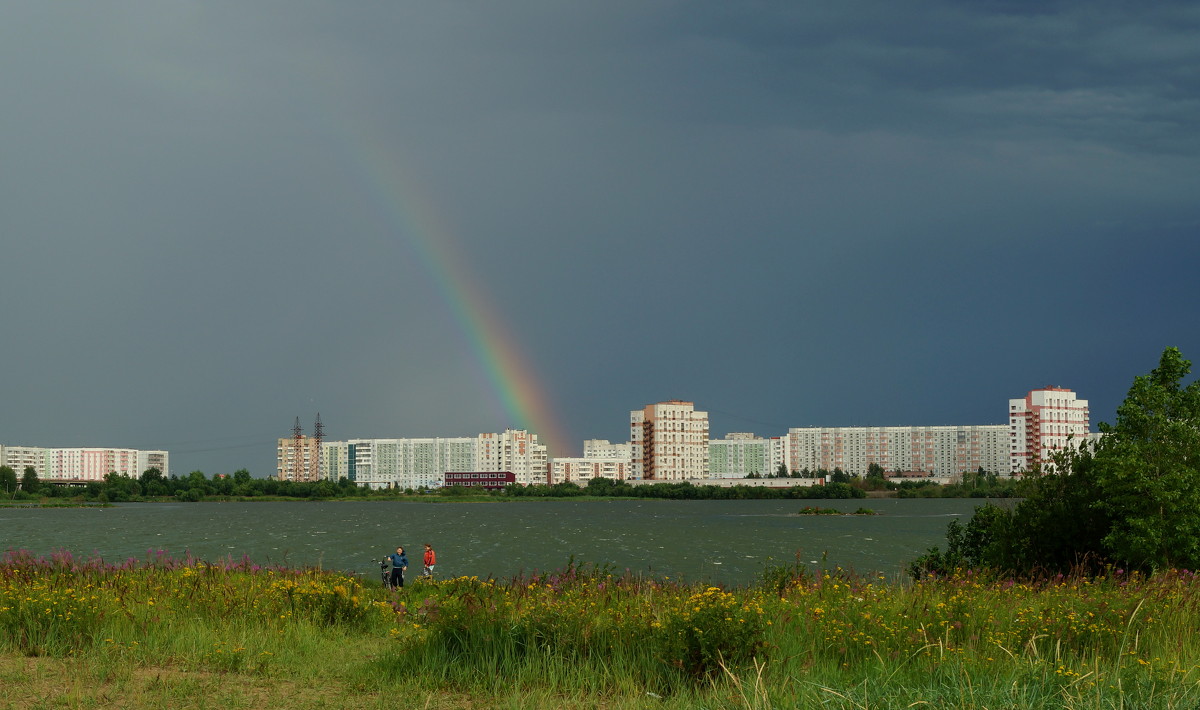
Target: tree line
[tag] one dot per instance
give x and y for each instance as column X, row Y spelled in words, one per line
column 196, row 486
column 153, row 485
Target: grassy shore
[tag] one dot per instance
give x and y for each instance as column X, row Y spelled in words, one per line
column 187, row 633
column 52, row 503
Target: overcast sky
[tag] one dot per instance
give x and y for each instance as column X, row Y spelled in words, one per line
column 218, row 216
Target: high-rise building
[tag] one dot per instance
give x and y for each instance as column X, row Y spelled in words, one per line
column 337, row 461
column 780, row 446
column 296, row 459
column 936, row 450
column 1045, row 421
column 669, row 442
column 739, row 455
column 516, row 451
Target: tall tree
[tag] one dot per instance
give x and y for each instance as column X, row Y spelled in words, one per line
column 8, row 480
column 29, row 481
column 1149, row 469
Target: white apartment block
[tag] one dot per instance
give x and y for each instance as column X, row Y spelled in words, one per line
column 602, row 449
column 82, row 464
column 739, row 455
column 937, row 450
column 669, row 442
column 407, row 463
column 517, row 452
column 423, row 463
column 601, row 459
column 780, row 446
column 581, row 470
column 1045, row 421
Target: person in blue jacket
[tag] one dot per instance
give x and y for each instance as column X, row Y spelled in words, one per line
column 399, row 563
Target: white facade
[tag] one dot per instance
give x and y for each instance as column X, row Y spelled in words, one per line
column 1045, row 421
column 19, row 457
column 779, row 453
column 581, row 470
column 601, row 459
column 82, row 464
column 517, row 452
column 936, row 450
column 602, row 449
column 423, row 463
column 408, row 463
column 669, row 442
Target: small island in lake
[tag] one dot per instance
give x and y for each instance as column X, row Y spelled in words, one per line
column 816, row 510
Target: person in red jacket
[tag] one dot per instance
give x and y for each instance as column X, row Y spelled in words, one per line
column 430, row 560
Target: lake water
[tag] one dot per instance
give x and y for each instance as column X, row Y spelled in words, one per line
column 727, row 542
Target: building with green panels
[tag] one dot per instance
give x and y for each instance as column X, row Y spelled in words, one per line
column 739, row 455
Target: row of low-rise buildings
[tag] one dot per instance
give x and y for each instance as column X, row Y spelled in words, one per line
column 669, row 441
column 82, row 464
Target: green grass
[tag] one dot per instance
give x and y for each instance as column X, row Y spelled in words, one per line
column 187, row 633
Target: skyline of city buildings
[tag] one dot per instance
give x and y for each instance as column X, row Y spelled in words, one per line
column 668, row 442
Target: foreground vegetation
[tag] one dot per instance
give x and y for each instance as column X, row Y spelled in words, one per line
column 188, row 633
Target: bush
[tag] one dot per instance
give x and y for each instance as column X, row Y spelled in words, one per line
column 711, row 630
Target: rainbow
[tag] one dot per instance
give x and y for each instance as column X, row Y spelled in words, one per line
column 413, row 216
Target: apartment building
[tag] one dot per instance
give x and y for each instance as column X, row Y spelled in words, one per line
column 296, row 459
column 669, row 442
column 1045, row 421
column 739, row 455
column 601, row 459
column 936, row 450
column 603, row 449
column 516, row 451
column 83, row 464
column 424, row 462
column 582, row 470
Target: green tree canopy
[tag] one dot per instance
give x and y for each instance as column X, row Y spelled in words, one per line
column 8, row 480
column 1149, row 469
column 29, row 480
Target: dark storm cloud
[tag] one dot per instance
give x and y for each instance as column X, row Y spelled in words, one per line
column 851, row 213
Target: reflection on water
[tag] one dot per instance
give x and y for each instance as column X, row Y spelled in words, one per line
column 720, row 541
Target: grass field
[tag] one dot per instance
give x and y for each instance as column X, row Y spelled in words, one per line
column 167, row 632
